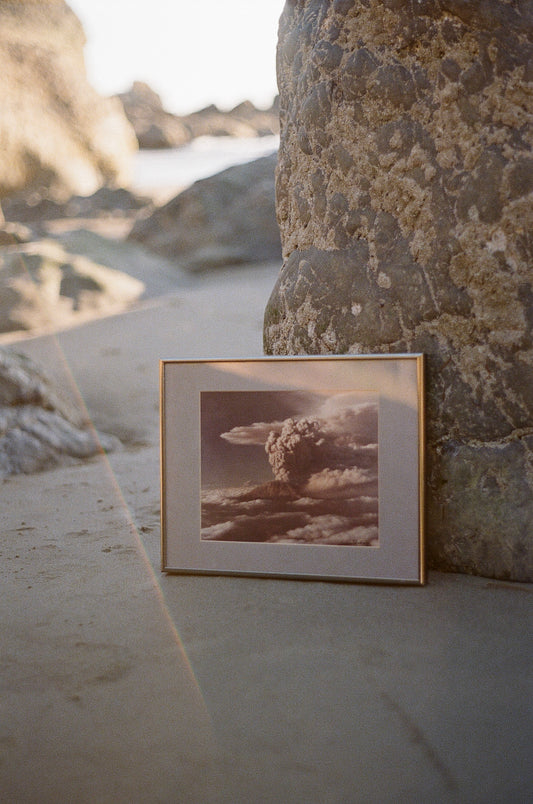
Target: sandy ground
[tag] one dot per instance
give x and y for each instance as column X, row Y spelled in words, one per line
column 122, row 684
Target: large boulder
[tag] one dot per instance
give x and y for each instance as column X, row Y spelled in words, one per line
column 226, row 219
column 55, row 130
column 404, row 198
column 40, row 428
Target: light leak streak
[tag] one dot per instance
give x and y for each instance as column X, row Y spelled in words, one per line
column 154, row 582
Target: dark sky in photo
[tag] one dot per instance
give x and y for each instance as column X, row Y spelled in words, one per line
column 226, row 464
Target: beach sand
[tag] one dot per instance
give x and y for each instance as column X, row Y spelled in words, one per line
column 122, row 684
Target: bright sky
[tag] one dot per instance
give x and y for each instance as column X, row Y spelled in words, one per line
column 192, row 52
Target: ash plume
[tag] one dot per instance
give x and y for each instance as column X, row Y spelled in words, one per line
column 294, row 451
column 325, row 449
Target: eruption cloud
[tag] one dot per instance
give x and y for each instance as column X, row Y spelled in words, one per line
column 325, row 488
column 338, row 450
column 294, row 451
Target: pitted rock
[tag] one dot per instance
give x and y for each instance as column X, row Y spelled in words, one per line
column 404, row 199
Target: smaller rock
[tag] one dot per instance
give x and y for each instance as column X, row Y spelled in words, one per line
column 32, row 207
column 41, row 285
column 37, row 208
column 114, row 200
column 22, row 382
column 12, row 233
column 226, row 219
column 39, row 429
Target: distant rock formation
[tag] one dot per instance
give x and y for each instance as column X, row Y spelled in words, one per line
column 39, row 428
column 226, row 219
column 56, row 132
column 405, row 198
column 154, row 127
column 157, row 128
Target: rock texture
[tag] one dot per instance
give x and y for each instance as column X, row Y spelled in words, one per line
column 55, row 130
column 226, row 219
column 404, row 198
column 38, row 428
column 157, row 128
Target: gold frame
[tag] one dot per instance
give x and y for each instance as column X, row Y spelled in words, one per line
column 397, row 379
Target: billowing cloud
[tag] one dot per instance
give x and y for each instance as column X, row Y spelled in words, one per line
column 218, row 531
column 338, row 482
column 256, row 433
column 265, row 527
column 230, row 516
column 357, row 425
column 330, row 529
column 219, row 496
column 300, row 447
column 345, row 439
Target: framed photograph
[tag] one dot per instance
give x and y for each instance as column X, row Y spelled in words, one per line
column 294, row 467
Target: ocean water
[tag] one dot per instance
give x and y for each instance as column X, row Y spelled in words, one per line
column 172, row 168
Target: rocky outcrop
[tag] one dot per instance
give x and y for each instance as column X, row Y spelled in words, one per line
column 39, row 429
column 226, row 219
column 44, row 286
column 56, row 132
column 157, row 128
column 404, row 198
column 244, row 120
column 154, row 127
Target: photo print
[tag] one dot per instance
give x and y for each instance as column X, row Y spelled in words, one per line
column 289, row 467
